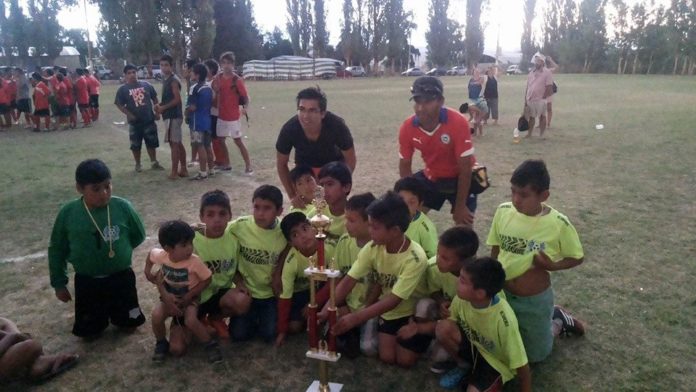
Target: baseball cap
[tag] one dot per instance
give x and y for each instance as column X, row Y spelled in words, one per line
column 427, row 87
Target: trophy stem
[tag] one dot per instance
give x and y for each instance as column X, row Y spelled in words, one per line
column 320, row 251
column 323, row 377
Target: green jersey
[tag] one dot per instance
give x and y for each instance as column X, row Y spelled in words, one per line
column 494, row 332
column 258, row 253
column 76, row 239
column 221, row 256
column 309, row 210
column 444, row 282
column 397, row 273
column 422, row 230
column 347, row 250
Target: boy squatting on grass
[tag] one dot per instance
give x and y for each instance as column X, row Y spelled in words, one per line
column 421, row 230
column 481, row 333
column 97, row 234
column 531, row 239
column 181, row 278
column 397, row 264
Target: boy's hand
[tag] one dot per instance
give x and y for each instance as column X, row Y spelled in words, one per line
column 444, row 309
column 298, row 202
column 462, row 216
column 277, row 284
column 63, row 295
column 408, row 331
column 344, row 324
column 158, row 109
column 280, row 339
column 542, row 260
column 172, row 304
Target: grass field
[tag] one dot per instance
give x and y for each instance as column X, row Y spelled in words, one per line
column 629, row 190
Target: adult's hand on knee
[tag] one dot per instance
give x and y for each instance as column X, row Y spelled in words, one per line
column 63, row 295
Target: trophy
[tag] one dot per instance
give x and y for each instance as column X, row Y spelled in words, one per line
column 319, row 271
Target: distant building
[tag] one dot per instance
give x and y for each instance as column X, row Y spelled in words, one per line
column 69, row 57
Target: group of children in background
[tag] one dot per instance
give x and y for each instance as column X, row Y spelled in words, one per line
column 404, row 290
column 57, row 93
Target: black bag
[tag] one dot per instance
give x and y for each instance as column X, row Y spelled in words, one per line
column 554, row 88
column 479, row 180
column 522, row 124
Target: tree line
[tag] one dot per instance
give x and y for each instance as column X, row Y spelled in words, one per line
column 641, row 38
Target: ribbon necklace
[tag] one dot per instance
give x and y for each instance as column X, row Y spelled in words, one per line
column 108, row 222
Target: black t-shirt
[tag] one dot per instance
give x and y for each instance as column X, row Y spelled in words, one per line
column 334, row 138
column 168, row 96
column 137, row 98
column 491, row 90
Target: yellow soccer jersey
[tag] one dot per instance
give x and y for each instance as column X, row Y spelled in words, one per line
column 293, row 277
column 397, row 273
column 220, row 255
column 520, row 237
column 423, row 231
column 309, row 210
column 336, row 230
column 494, row 332
column 347, row 250
column 258, row 253
column 437, row 281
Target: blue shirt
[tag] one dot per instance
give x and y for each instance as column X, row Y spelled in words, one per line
column 202, row 97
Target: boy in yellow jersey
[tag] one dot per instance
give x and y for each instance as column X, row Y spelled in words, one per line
column 481, row 332
column 397, row 264
column 294, row 297
column 260, row 244
column 337, row 181
column 227, row 295
column 421, row 230
column 531, row 239
column 305, row 184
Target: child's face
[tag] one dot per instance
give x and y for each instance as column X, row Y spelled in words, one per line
column 447, row 260
column 356, row 225
column 334, row 192
column 412, row 201
column 528, row 201
column 380, row 234
column 96, row 195
column 265, row 213
column 465, row 288
column 227, row 66
column 305, row 186
column 302, row 238
column 215, row 218
column 166, row 67
column 180, row 252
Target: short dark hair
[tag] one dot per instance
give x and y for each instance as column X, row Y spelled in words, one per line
column 337, row 170
column 127, row 68
column 485, row 273
column 190, row 63
column 411, row 184
column 270, row 193
column 167, row 58
column 175, row 232
column 212, row 65
column 229, row 56
column 201, row 71
column 215, row 198
column 532, row 172
column 91, row 171
column 63, row 71
column 300, row 170
column 390, row 210
column 49, row 72
column 37, row 76
column 360, row 202
column 462, row 240
column 81, row 71
column 314, row 93
column 290, row 221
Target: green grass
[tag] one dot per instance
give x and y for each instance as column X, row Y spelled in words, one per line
column 628, row 189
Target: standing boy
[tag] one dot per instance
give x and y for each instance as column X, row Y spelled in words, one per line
column 93, row 87
column 170, row 110
column 135, row 99
column 422, row 230
column 531, row 239
column 82, row 94
column 41, row 103
column 97, row 234
column 23, row 97
column 198, row 105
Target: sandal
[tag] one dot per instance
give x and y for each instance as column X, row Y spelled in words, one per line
column 69, row 361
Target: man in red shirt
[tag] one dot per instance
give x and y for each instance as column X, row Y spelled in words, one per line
column 82, row 92
column 93, row 87
column 72, row 100
column 443, row 137
column 41, row 94
column 5, row 104
column 12, row 92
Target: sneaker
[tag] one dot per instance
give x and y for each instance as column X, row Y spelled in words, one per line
column 191, row 164
column 223, row 168
column 198, row 177
column 570, row 325
column 220, row 327
column 442, row 366
column 453, row 378
column 156, row 166
column 213, row 351
column 161, row 350
column 211, row 172
column 138, row 167
column 249, row 172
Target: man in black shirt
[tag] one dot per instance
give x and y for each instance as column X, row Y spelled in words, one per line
column 318, row 137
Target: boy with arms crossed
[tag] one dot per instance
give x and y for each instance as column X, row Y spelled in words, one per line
column 531, row 239
column 97, row 234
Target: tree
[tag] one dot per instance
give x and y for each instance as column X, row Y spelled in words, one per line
column 443, row 36
column 293, row 24
column 621, row 31
column 114, row 29
column 345, row 45
column 78, row 39
column 321, row 36
column 15, row 32
column 175, row 28
column 44, row 28
column 376, row 31
column 399, row 25
column 305, row 26
column 203, row 29
column 473, row 37
column 527, row 44
column 235, row 30
column 274, row 44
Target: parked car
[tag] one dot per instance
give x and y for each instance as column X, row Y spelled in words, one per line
column 457, row 71
column 514, row 69
column 437, row 71
column 415, row 71
column 103, row 72
column 356, row 70
column 143, row 73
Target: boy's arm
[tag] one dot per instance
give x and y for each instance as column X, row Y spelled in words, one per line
column 152, row 278
column 137, row 229
column 58, row 250
column 277, row 272
column 239, row 283
column 542, row 260
column 342, row 291
column 195, row 292
column 412, row 328
column 352, row 320
column 174, row 102
column 525, row 378
column 495, row 251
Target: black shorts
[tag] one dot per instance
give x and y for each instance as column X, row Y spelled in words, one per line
column 439, row 191
column 482, row 375
column 13, row 104
column 94, row 101
column 24, row 105
column 64, row 110
column 139, row 132
column 213, row 126
column 112, row 298
column 300, row 299
column 419, row 343
column 42, row 113
column 212, row 305
column 4, row 108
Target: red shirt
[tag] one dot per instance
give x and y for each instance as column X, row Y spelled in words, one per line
column 71, row 90
column 4, row 92
column 11, row 89
column 82, row 91
column 228, row 96
column 62, row 95
column 93, row 85
column 41, row 93
column 441, row 148
column 53, row 81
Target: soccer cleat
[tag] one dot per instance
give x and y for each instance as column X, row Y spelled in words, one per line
column 442, row 366
column 156, row 166
column 161, row 350
column 453, row 378
column 569, row 324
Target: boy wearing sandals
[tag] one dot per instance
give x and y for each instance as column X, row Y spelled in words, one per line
column 97, row 234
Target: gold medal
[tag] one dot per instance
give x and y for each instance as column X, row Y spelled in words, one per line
column 96, row 226
column 111, row 253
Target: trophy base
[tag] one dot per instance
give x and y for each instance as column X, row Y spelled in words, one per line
column 323, row 356
column 316, row 387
